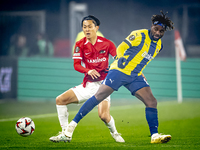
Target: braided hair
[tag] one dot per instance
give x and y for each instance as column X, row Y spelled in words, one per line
column 164, row 20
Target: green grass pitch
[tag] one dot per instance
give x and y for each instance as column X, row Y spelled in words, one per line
column 182, row 121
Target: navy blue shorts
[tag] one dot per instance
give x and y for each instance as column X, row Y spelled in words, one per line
column 115, row 79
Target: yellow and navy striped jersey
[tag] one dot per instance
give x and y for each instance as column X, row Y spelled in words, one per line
column 135, row 52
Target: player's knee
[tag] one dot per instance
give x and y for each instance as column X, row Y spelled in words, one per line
column 104, row 117
column 152, row 102
column 101, row 96
column 98, row 97
column 58, row 100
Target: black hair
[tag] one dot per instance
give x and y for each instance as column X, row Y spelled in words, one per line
column 164, row 20
column 93, row 18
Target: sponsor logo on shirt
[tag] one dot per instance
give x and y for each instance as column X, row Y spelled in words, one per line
column 96, row 60
column 102, row 51
column 147, row 56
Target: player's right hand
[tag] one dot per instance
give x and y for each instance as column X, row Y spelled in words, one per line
column 94, row 74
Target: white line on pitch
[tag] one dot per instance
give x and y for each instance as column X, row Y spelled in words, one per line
column 55, row 114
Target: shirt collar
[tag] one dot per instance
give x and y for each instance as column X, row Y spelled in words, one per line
column 98, row 40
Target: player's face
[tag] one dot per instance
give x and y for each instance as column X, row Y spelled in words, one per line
column 89, row 29
column 157, row 32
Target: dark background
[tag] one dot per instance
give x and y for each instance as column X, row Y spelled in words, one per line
column 118, row 18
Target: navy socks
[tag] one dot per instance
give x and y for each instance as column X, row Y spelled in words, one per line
column 152, row 119
column 86, row 108
column 151, row 114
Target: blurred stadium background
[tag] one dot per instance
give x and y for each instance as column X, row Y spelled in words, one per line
column 43, row 77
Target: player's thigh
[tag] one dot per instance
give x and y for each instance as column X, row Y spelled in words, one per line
column 84, row 93
column 66, row 98
column 146, row 96
column 103, row 92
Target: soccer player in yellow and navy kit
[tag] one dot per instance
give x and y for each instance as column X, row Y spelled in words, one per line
column 133, row 54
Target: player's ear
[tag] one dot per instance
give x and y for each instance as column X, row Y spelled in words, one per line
column 97, row 28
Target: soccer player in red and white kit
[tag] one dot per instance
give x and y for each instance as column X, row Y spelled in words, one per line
column 93, row 51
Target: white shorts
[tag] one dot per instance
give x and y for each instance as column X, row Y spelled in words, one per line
column 84, row 94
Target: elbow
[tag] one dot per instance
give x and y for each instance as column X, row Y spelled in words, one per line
column 75, row 67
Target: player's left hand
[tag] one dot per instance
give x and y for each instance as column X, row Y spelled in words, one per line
column 94, row 74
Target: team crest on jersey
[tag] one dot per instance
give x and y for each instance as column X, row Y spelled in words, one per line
column 77, row 49
column 102, row 51
column 131, row 37
column 157, row 51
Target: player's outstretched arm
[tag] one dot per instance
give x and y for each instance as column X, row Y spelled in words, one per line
column 78, row 67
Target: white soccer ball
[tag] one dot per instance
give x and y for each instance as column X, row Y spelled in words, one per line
column 25, row 126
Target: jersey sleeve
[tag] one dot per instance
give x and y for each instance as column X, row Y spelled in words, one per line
column 112, row 49
column 121, row 49
column 78, row 54
column 78, row 67
column 133, row 39
column 77, row 57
